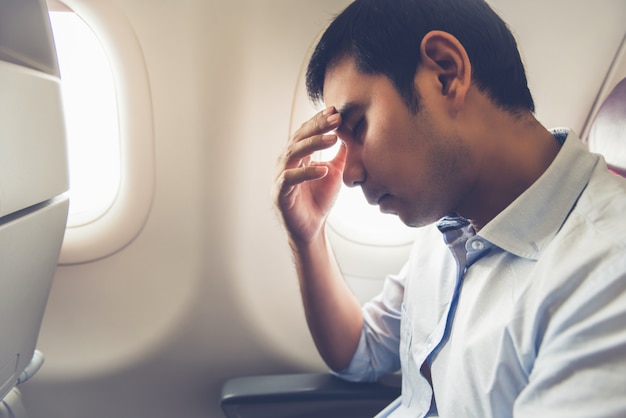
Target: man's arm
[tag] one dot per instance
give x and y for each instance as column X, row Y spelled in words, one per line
column 304, row 192
column 333, row 313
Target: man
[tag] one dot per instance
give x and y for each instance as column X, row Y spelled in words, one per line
column 513, row 302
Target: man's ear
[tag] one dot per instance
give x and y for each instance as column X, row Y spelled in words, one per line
column 443, row 54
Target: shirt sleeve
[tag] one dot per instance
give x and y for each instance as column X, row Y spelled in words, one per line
column 378, row 351
column 580, row 369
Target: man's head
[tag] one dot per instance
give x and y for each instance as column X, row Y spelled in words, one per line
column 384, row 37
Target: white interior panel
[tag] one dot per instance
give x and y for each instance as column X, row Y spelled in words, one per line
column 24, row 36
column 30, row 249
column 32, row 150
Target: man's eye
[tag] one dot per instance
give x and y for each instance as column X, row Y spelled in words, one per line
column 358, row 128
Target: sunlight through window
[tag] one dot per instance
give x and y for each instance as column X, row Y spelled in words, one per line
column 91, row 115
column 354, row 219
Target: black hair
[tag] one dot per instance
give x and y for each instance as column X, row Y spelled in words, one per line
column 384, row 36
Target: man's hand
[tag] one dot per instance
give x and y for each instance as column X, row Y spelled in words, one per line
column 305, row 190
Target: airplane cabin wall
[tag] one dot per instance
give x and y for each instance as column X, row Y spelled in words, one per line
column 207, row 290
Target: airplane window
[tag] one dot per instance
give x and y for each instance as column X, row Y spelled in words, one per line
column 108, row 107
column 353, row 218
column 91, row 116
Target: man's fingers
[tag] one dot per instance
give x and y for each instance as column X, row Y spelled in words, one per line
column 295, row 166
column 299, row 175
column 299, row 152
column 288, row 180
column 323, row 122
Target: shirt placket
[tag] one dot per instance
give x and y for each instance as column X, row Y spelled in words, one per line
column 466, row 249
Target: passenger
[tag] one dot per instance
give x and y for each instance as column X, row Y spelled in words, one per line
column 513, row 302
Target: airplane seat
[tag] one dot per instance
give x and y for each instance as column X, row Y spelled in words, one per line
column 309, row 395
column 607, row 134
column 33, row 180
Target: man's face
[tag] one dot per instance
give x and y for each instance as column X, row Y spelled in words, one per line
column 413, row 165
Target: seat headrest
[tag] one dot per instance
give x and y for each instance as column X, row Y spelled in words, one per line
column 607, row 135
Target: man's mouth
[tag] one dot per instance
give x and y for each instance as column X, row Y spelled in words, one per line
column 382, row 198
column 375, row 199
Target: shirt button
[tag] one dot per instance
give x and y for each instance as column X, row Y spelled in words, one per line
column 477, row 245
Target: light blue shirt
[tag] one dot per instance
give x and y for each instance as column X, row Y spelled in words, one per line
column 527, row 318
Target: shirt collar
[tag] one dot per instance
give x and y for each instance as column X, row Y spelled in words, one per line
column 528, row 224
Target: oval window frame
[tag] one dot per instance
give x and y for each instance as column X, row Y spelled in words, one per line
column 127, row 215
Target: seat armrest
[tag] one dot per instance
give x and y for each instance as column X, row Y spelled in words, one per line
column 306, row 396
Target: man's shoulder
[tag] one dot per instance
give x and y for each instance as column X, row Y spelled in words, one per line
column 592, row 239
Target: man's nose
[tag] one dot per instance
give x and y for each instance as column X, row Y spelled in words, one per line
column 354, row 172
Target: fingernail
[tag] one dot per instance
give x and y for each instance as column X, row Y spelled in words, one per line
column 328, row 110
column 333, row 118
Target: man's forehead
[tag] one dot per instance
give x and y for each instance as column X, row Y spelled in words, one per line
column 343, row 83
